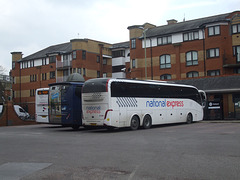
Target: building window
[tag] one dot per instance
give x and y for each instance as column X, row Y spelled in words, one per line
column 120, row 53
column 213, row 73
column 133, row 63
column 52, row 75
column 236, row 52
column 133, row 43
column 98, row 59
column 104, row 75
column 212, row 53
column 164, row 40
column 25, row 64
column 13, row 65
column 66, row 73
column 44, row 76
column 191, row 58
column 32, row 63
column 33, row 78
column 32, row 92
column 165, row 77
column 236, row 28
column 214, row 30
column 98, row 74
column 52, row 59
column 44, row 61
column 84, row 72
column 190, row 36
column 165, row 61
column 74, row 54
column 104, row 61
column 237, row 71
column 84, row 54
column 65, row 57
column 79, row 71
column 192, row 74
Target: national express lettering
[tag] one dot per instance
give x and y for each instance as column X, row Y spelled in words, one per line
column 164, row 103
column 93, row 109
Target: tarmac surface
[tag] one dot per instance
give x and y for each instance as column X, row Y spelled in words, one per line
column 205, row 150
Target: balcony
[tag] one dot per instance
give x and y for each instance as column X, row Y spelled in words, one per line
column 63, row 65
column 232, row 65
column 61, row 79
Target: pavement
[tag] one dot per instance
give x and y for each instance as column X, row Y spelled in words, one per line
column 220, row 121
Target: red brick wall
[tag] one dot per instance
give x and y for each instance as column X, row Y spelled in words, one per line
column 222, row 41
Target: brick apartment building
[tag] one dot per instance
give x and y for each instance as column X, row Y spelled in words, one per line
column 88, row 57
column 204, row 52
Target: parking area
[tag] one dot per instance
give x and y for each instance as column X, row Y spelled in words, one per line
column 180, row 151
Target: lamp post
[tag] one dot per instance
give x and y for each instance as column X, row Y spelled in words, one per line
column 144, row 34
column 145, row 49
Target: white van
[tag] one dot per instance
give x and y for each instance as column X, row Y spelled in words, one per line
column 21, row 112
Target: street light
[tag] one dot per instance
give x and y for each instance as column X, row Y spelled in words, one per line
column 144, row 35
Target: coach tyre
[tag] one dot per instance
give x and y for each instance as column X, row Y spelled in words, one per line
column 147, row 122
column 75, row 127
column 189, row 118
column 134, row 123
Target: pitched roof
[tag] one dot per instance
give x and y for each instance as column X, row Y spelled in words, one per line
column 60, row 48
column 185, row 26
column 215, row 84
column 121, row 45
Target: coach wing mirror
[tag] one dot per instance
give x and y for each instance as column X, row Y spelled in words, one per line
column 204, row 97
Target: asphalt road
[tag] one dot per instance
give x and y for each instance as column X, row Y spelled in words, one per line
column 195, row 151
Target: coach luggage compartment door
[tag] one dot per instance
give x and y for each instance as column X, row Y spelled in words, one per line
column 122, row 116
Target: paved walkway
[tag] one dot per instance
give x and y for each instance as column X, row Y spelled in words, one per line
column 221, row 121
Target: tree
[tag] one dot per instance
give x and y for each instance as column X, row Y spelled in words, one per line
column 2, row 70
column 2, row 87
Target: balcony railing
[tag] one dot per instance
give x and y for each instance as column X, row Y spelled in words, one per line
column 232, row 65
column 61, row 79
column 63, row 65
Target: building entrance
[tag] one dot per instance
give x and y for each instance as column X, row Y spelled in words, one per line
column 215, row 107
column 236, row 101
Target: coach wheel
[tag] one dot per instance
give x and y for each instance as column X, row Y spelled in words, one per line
column 134, row 123
column 147, row 122
column 75, row 127
column 189, row 118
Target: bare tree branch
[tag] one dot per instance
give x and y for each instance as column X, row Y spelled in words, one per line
column 3, row 70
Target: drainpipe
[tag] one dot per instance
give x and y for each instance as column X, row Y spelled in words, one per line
column 101, row 59
column 204, row 52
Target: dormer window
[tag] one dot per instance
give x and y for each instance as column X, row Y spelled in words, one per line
column 164, row 40
column 214, row 30
column 190, row 36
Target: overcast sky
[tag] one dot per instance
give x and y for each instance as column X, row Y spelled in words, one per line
column 32, row 25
